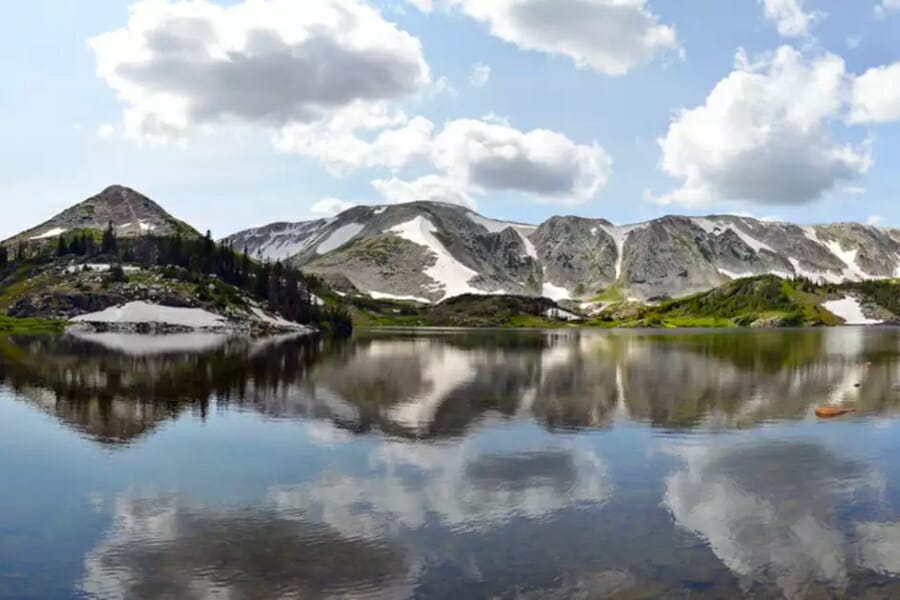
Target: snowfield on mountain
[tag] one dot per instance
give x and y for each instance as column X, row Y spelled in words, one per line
column 432, row 251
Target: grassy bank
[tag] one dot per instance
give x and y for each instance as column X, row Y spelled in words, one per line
column 11, row 326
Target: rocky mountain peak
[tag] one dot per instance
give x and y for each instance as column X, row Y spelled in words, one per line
column 130, row 212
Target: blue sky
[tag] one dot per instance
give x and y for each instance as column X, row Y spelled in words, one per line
column 826, row 137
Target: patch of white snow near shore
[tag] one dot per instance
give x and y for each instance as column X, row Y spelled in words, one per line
column 278, row 321
column 383, row 296
column 339, row 237
column 850, row 311
column 450, row 275
column 143, row 312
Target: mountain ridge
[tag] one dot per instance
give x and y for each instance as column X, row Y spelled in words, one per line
column 431, row 251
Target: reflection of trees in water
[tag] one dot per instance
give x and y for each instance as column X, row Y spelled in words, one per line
column 440, row 385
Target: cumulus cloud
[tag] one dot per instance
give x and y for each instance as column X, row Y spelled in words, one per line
column 180, row 65
column 328, row 207
column 106, row 131
column 338, row 144
column 876, row 95
column 481, row 74
column 882, row 8
column 609, row 36
column 790, row 17
column 545, row 164
column 762, row 135
column 431, row 188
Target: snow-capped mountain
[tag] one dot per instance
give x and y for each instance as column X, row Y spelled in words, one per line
column 131, row 214
column 431, row 251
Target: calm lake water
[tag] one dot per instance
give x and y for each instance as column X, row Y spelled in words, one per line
column 451, row 465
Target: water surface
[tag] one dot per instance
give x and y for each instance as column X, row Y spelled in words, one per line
column 451, row 465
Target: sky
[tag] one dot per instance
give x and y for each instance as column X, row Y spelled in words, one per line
column 234, row 114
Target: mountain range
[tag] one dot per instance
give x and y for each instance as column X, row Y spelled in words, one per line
column 429, row 252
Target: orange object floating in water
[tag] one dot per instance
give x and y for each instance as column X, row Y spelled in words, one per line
column 829, row 412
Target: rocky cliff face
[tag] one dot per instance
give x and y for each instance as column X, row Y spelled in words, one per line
column 432, row 251
column 131, row 213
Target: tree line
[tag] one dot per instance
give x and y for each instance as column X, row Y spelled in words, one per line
column 285, row 289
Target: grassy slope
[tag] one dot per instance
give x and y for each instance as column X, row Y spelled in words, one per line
column 765, row 300
column 742, row 303
column 10, row 326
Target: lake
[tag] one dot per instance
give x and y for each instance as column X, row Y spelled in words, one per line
column 451, row 464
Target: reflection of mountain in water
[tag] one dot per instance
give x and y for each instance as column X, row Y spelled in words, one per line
column 440, row 385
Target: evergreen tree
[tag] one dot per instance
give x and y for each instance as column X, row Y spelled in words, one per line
column 61, row 247
column 110, row 243
column 77, row 247
column 4, row 257
column 88, row 245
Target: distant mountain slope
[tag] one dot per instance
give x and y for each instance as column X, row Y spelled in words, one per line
column 431, row 251
column 131, row 213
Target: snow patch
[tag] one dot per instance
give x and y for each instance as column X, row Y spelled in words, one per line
column 850, row 311
column 99, row 268
column 339, row 237
column 620, row 236
column 562, row 315
column 143, row 312
column 379, row 210
column 848, row 257
column 718, row 228
column 56, row 232
column 450, row 276
column 555, row 293
column 733, row 275
column 277, row 321
column 383, row 296
column 497, row 226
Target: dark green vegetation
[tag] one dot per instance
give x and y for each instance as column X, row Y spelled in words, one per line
column 461, row 311
column 765, row 301
column 42, row 279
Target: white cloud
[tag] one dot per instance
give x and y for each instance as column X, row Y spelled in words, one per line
column 762, row 135
column 431, row 188
column 106, row 131
column 338, row 144
column 609, row 36
column 876, row 95
column 180, row 65
column 328, row 207
column 545, row 164
column 881, row 9
column 875, row 220
column 481, row 74
column 790, row 17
